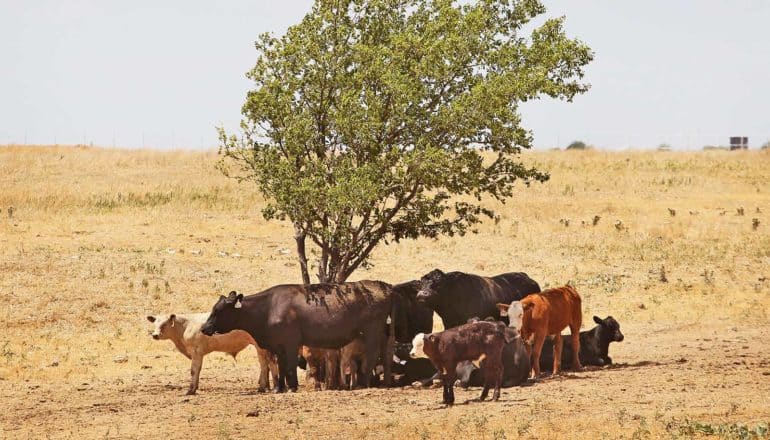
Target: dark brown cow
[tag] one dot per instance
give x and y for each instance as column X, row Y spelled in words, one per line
column 282, row 318
column 473, row 341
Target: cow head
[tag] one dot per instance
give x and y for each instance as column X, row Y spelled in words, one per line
column 610, row 327
column 164, row 325
column 223, row 314
column 515, row 314
column 418, row 346
column 430, row 284
column 402, row 350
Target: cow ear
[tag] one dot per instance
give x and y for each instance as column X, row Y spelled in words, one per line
column 597, row 319
column 238, row 303
column 172, row 318
column 503, row 309
column 527, row 306
column 431, row 337
column 150, row 318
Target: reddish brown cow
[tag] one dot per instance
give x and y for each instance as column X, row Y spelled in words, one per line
column 547, row 313
column 476, row 340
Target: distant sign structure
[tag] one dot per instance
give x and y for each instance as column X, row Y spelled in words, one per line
column 739, row 143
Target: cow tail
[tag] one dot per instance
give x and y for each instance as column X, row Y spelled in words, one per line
column 391, row 342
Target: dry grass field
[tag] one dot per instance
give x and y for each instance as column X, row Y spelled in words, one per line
column 100, row 238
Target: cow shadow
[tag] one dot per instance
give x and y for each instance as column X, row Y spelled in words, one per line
column 640, row 364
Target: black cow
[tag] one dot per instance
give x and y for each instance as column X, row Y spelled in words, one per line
column 594, row 345
column 516, row 366
column 458, row 296
column 282, row 318
column 412, row 318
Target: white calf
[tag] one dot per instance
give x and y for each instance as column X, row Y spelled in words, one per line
column 184, row 332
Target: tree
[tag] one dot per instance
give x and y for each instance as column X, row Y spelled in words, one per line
column 375, row 121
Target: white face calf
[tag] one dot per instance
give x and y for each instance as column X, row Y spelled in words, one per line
column 162, row 325
column 417, row 346
column 515, row 314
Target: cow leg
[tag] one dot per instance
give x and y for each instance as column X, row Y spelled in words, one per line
column 264, row 370
column 283, row 368
column 273, row 366
column 332, row 367
column 449, row 383
column 429, row 381
column 290, row 356
column 485, row 390
column 498, row 383
column 371, row 352
column 558, row 345
column 536, row 350
column 195, row 372
column 575, row 333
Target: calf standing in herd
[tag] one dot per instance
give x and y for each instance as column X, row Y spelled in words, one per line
column 516, row 366
column 544, row 314
column 474, row 341
column 184, row 332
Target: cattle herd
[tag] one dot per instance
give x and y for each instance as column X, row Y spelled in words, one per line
column 499, row 331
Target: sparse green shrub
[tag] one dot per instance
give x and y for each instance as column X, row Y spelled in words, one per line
column 577, row 145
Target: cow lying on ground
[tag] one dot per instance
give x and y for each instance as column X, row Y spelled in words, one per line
column 184, row 332
column 413, row 371
column 458, row 296
column 474, row 341
column 516, row 366
column 594, row 345
column 544, row 314
column 284, row 317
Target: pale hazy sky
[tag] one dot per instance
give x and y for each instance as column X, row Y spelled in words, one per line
column 165, row 73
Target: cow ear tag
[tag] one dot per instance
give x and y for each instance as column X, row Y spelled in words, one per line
column 238, row 304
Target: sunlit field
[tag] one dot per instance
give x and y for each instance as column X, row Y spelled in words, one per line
column 675, row 246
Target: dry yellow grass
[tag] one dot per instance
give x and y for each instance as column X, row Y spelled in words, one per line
column 99, row 238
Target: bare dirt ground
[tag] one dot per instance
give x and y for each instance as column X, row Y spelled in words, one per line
column 714, row 372
column 99, row 238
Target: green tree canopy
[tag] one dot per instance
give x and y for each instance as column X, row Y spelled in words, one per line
column 369, row 116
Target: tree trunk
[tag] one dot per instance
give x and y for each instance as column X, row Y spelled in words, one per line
column 299, row 236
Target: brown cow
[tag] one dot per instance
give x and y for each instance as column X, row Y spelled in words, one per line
column 543, row 314
column 322, row 366
column 351, row 357
column 473, row 341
